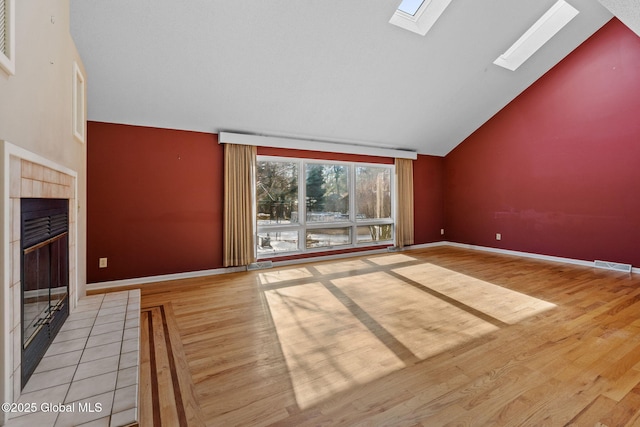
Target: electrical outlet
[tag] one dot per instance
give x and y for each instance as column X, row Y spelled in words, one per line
column 498, row 236
column 103, row 263
column 442, row 231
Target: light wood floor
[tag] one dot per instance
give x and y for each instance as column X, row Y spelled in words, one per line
column 433, row 337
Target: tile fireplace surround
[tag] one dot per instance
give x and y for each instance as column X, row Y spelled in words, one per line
column 30, row 176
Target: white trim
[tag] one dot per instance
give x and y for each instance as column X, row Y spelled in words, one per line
column 306, row 144
column 329, row 257
column 6, row 367
column 420, row 246
column 549, row 24
column 8, row 62
column 203, row 273
column 522, row 254
column 162, row 278
column 550, row 258
column 218, row 271
column 424, row 18
column 78, row 103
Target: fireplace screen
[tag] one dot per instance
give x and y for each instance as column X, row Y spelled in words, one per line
column 45, row 276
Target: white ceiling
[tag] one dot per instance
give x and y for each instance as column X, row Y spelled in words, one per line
column 628, row 11
column 325, row 70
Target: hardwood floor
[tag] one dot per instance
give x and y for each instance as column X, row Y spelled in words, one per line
column 432, row 337
column 166, row 390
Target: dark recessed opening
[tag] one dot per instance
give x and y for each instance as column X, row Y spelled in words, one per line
column 44, row 276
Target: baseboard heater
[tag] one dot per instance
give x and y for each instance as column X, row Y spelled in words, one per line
column 260, row 265
column 613, row 266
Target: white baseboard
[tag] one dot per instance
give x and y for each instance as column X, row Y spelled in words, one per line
column 162, row 278
column 529, row 255
column 188, row 275
column 425, row 245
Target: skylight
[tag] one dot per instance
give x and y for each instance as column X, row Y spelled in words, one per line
column 418, row 16
column 410, row 6
column 535, row 37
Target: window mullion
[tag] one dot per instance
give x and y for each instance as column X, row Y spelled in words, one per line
column 352, row 204
column 394, row 202
column 302, row 205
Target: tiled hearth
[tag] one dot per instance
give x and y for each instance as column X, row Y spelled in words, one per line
column 90, row 373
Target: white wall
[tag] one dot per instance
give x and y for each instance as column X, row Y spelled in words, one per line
column 36, row 115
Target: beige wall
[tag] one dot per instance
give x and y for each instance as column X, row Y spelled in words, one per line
column 36, row 115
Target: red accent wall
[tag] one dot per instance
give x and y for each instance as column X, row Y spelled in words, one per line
column 154, row 201
column 557, row 171
column 428, row 201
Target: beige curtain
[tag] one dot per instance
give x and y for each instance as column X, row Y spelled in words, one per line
column 404, row 217
column 239, row 177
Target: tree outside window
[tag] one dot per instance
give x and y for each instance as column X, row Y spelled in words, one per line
column 345, row 204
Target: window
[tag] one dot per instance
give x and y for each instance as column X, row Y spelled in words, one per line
column 327, row 192
column 418, row 16
column 308, row 205
column 410, row 6
column 78, row 103
column 277, row 192
column 7, row 32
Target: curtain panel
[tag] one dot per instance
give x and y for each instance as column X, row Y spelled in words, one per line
column 404, row 217
column 239, row 178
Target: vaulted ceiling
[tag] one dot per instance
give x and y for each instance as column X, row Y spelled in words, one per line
column 326, row 70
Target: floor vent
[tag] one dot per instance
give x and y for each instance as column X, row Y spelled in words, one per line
column 613, row 266
column 260, row 265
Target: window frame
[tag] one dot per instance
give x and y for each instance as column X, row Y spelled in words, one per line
column 78, row 107
column 424, row 18
column 8, row 60
column 302, row 226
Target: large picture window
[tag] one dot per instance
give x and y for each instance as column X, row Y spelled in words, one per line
column 309, row 205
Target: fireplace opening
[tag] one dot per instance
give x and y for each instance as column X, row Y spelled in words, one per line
column 44, row 276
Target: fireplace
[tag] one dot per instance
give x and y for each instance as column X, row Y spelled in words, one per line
column 29, row 176
column 44, row 276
